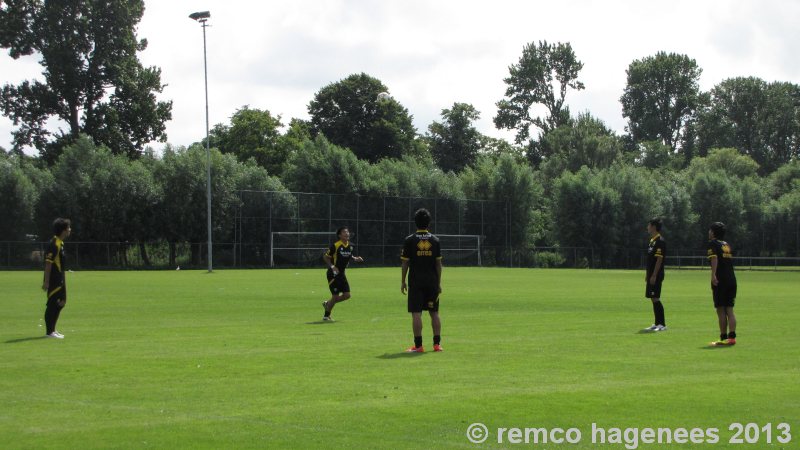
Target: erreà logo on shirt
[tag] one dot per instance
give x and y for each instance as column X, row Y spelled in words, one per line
column 424, row 248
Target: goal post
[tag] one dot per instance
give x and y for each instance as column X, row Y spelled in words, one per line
column 301, row 243
column 305, row 247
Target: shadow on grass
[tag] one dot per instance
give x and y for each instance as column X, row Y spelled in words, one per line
column 320, row 322
column 399, row 355
column 17, row 341
column 715, row 347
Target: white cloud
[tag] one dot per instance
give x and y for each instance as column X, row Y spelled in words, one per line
column 276, row 55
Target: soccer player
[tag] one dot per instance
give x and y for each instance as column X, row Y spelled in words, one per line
column 54, row 283
column 337, row 258
column 723, row 283
column 654, row 276
column 422, row 260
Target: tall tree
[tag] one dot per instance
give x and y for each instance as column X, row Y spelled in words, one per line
column 455, row 142
column 760, row 119
column 661, row 96
column 253, row 133
column 93, row 80
column 541, row 77
column 350, row 114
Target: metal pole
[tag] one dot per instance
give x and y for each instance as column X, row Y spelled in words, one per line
column 208, row 155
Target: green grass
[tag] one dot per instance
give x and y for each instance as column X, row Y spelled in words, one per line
column 239, row 359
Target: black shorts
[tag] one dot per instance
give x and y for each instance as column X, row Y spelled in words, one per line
column 654, row 290
column 57, row 294
column 337, row 284
column 423, row 298
column 724, row 295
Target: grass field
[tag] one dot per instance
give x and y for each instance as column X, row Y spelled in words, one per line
column 239, row 359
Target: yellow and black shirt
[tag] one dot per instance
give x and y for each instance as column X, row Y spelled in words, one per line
column 422, row 250
column 55, row 256
column 724, row 254
column 656, row 249
column 340, row 254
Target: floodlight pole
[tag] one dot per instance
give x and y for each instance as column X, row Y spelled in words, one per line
column 203, row 17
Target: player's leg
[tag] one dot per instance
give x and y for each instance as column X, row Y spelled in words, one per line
column 722, row 317
column 415, row 301
column 436, row 325
column 55, row 303
column 731, row 324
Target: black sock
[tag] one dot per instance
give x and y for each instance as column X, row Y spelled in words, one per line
column 327, row 313
column 437, row 339
column 723, row 336
column 732, row 335
column 418, row 341
column 658, row 311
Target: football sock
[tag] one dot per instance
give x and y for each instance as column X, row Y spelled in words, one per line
column 327, row 313
column 437, row 340
column 418, row 341
column 658, row 312
column 732, row 335
column 723, row 336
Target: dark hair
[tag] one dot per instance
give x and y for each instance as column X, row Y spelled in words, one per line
column 339, row 231
column 656, row 222
column 422, row 218
column 59, row 225
column 718, row 228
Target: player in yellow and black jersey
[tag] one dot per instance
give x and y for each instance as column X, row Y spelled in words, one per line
column 723, row 282
column 654, row 276
column 422, row 260
column 337, row 258
column 54, row 283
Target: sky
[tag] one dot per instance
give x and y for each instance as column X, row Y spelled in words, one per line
column 433, row 53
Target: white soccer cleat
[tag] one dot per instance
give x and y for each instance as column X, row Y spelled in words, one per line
column 653, row 327
column 327, row 319
column 661, row 328
column 55, row 335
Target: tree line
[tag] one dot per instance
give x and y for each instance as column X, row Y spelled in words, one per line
column 690, row 156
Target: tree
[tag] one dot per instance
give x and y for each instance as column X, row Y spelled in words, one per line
column 661, row 96
column 19, row 194
column 584, row 142
column 93, row 80
column 350, row 114
column 455, row 142
column 542, row 76
column 255, row 134
column 760, row 119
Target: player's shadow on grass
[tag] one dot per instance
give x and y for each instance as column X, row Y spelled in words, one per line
column 399, row 355
column 715, row 347
column 320, row 322
column 17, row 341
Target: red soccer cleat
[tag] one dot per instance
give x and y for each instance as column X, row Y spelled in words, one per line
column 415, row 350
column 438, row 348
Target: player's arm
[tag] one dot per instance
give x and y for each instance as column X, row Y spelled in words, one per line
column 659, row 263
column 329, row 262
column 47, row 267
column 404, row 272
column 439, row 273
column 714, row 264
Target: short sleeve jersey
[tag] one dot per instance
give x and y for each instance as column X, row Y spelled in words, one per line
column 55, row 256
column 422, row 250
column 657, row 248
column 723, row 252
column 340, row 254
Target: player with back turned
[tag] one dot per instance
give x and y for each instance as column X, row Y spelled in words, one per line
column 723, row 283
column 422, row 261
